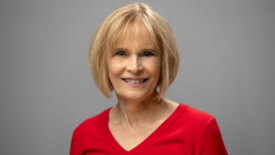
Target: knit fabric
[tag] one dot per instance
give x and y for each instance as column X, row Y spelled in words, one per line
column 187, row 131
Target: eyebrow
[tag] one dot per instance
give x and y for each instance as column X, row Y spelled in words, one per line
column 120, row 49
column 144, row 49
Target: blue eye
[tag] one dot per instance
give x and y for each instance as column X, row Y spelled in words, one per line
column 120, row 53
column 148, row 54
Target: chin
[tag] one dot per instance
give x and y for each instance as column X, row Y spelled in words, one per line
column 135, row 95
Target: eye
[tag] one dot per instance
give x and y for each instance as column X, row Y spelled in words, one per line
column 148, row 54
column 120, row 53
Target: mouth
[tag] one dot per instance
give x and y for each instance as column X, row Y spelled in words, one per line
column 134, row 81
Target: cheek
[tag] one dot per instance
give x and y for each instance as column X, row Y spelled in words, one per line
column 115, row 69
column 153, row 67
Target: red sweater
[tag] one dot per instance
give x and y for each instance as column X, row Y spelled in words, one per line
column 186, row 132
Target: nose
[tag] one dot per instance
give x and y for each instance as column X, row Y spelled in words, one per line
column 134, row 64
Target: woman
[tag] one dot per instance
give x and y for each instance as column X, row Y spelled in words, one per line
column 134, row 52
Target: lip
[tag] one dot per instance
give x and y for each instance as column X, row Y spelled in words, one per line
column 129, row 78
column 135, row 84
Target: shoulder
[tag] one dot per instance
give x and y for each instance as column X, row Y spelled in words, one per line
column 90, row 124
column 201, row 129
column 206, row 130
column 195, row 117
column 197, row 114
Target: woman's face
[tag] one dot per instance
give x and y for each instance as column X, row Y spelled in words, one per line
column 134, row 67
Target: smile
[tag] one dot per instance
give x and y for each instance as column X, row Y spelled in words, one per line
column 134, row 81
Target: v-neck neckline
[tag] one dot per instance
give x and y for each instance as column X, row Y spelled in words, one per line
column 119, row 150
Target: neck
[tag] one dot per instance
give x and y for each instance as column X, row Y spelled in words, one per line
column 134, row 112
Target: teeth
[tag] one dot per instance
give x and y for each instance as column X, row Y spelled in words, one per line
column 134, row 81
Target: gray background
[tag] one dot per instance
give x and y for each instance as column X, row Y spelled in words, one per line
column 227, row 69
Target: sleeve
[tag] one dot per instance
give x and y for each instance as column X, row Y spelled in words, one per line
column 76, row 144
column 211, row 141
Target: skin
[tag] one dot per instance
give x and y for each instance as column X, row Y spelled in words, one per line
column 137, row 114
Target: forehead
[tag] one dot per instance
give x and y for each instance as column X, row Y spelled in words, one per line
column 135, row 34
column 140, row 36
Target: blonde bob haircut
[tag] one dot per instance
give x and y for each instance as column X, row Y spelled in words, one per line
column 129, row 17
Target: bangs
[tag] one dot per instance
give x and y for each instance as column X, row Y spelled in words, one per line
column 134, row 26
